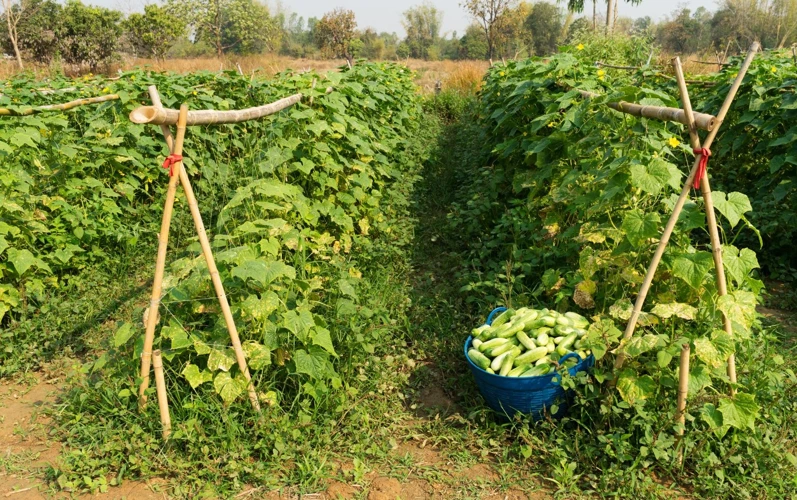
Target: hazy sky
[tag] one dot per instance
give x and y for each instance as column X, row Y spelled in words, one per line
column 386, row 15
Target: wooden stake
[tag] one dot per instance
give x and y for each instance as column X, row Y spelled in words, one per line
column 704, row 121
column 679, row 204
column 711, row 217
column 217, row 285
column 160, row 262
column 683, row 390
column 160, row 387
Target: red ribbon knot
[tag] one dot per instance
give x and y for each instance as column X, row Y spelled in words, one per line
column 170, row 161
column 702, row 166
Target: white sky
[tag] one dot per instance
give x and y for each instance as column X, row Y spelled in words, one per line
column 386, row 15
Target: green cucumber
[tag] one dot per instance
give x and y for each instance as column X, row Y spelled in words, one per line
column 568, row 341
column 479, row 359
column 515, row 372
column 543, row 361
column 580, row 332
column 583, row 355
column 476, row 343
column 506, row 366
column 526, row 341
column 537, row 371
column 531, row 356
column 578, row 320
column 492, row 343
column 490, row 370
column 498, row 361
column 564, row 321
column 503, row 318
column 551, row 346
column 562, row 350
column 564, row 330
column 478, row 331
column 548, row 321
column 542, row 338
column 501, row 349
column 558, row 340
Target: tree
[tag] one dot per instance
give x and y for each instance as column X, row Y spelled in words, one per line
column 473, row 45
column 88, row 34
column 239, row 25
column 489, row 14
column 153, row 32
column 14, row 12
column 335, row 34
column 36, row 31
column 422, row 24
column 545, row 25
column 611, row 10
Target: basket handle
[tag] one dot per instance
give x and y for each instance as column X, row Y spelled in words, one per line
column 568, row 356
column 493, row 314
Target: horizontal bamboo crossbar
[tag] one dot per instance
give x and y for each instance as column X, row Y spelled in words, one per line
column 702, row 120
column 58, row 107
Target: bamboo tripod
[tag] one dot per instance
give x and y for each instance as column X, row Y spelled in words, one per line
column 156, row 114
column 708, row 202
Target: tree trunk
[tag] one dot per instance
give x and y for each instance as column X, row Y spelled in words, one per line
column 12, row 33
column 609, row 16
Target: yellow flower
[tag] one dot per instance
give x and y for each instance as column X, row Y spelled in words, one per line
column 673, row 142
column 132, row 77
column 601, row 72
column 580, row 46
column 774, row 69
column 601, row 78
column 106, row 90
column 501, row 73
column 194, row 92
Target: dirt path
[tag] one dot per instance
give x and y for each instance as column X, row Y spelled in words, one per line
column 27, row 452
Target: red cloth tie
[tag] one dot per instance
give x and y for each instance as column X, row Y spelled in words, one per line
column 170, row 161
column 701, row 167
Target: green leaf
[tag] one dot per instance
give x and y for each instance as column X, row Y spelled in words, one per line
column 692, row 267
column 638, row 345
column 322, row 338
column 299, row 322
column 195, row 377
column 699, row 379
column 229, row 388
column 738, row 264
column 121, row 336
column 261, row 307
column 651, row 178
column 257, row 355
column 739, row 307
column 683, row 311
column 263, row 271
column 634, row 389
column 639, row 226
column 663, row 358
column 24, row 260
column 315, row 363
column 740, row 411
column 724, row 343
column 712, row 416
column 347, row 288
column 4, row 308
column 733, row 207
column 707, row 353
column 3, row 244
column 221, row 359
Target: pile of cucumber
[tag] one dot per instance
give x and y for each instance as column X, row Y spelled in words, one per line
column 528, row 342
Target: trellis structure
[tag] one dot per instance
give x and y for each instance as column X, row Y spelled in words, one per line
column 182, row 118
column 697, row 178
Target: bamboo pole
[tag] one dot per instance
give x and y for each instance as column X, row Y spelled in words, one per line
column 704, row 121
column 683, row 390
column 715, row 63
column 160, row 262
column 156, row 102
column 164, row 116
column 163, row 400
column 679, row 204
column 217, row 285
column 59, row 107
column 711, row 217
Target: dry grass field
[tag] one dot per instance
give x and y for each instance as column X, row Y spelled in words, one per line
column 462, row 75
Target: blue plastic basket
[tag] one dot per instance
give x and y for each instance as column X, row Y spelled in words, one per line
column 527, row 395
